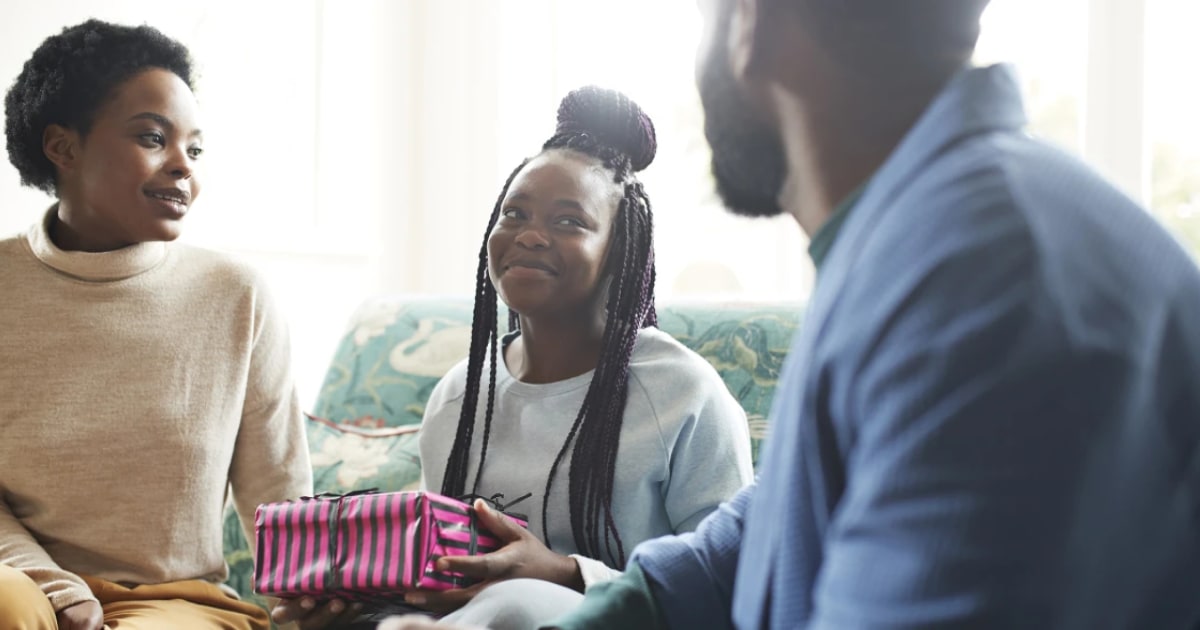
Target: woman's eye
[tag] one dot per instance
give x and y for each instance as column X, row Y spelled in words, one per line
column 195, row 152
column 511, row 213
column 571, row 221
column 154, row 138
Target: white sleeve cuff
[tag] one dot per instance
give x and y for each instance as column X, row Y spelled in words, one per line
column 594, row 571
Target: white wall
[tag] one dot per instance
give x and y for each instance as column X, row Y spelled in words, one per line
column 355, row 147
column 282, row 187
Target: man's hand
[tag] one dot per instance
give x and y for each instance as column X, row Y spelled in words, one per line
column 85, row 615
column 310, row 616
column 522, row 556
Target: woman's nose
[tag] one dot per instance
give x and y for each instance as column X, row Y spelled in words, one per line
column 531, row 238
column 180, row 163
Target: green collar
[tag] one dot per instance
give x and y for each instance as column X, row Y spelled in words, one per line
column 823, row 240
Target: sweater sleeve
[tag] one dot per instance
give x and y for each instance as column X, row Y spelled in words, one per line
column 270, row 459
column 709, row 458
column 439, row 425
column 19, row 550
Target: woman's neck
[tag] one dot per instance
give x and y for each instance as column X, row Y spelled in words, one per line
column 547, row 352
column 68, row 236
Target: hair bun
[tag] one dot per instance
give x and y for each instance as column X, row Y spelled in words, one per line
column 613, row 119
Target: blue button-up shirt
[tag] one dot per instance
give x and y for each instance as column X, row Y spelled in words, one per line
column 991, row 418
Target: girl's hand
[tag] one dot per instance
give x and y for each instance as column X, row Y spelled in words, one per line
column 86, row 615
column 522, row 556
column 309, row 616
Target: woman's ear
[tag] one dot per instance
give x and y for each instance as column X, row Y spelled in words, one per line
column 61, row 146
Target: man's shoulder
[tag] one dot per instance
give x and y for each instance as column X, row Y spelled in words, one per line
column 1006, row 192
column 1070, row 218
column 1003, row 222
column 1011, row 174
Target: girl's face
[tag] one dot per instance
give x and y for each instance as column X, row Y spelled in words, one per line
column 132, row 178
column 546, row 254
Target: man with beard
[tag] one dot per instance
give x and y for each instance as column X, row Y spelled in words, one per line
column 991, row 418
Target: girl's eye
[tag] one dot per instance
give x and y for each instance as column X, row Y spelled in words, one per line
column 512, row 213
column 154, row 138
column 195, row 152
column 571, row 221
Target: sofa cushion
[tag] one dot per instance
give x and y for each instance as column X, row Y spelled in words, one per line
column 363, row 453
column 392, row 355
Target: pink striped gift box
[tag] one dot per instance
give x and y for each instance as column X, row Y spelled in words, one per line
column 364, row 546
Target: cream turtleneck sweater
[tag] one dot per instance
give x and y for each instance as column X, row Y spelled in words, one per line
column 136, row 387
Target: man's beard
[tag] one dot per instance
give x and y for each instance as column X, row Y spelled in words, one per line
column 747, row 157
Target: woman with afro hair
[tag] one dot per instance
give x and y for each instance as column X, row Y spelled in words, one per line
column 142, row 379
column 620, row 433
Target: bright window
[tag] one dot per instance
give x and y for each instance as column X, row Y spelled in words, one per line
column 648, row 52
column 356, row 147
column 1173, row 116
column 1110, row 80
column 1047, row 42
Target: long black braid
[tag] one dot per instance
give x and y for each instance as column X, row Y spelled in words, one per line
column 610, row 127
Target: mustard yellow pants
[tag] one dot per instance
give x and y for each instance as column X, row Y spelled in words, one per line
column 190, row 605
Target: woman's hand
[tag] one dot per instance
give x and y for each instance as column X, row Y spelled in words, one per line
column 309, row 616
column 85, row 615
column 522, row 556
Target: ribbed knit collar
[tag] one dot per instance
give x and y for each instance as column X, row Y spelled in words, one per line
column 98, row 266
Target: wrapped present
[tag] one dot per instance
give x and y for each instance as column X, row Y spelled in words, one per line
column 366, row 546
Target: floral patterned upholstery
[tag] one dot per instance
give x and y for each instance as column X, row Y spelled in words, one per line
column 363, row 429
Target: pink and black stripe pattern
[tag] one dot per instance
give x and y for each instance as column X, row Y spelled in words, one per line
column 364, row 546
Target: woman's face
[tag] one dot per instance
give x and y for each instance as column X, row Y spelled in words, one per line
column 132, row 178
column 546, row 254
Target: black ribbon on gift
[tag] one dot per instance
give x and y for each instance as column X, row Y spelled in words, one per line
column 334, row 495
column 335, row 523
column 495, row 501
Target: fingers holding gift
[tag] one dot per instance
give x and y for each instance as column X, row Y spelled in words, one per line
column 525, row 557
column 498, row 565
column 514, row 559
column 501, row 526
column 443, row 602
column 309, row 614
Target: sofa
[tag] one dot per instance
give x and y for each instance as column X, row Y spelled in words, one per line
column 363, row 430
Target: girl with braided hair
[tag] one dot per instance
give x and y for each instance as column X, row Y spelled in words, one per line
column 620, row 433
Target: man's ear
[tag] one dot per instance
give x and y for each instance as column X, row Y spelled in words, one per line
column 61, row 146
